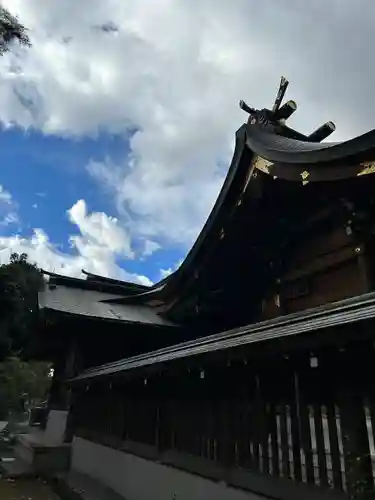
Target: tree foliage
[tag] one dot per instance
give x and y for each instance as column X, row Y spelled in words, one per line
column 11, row 30
column 21, row 382
column 20, row 283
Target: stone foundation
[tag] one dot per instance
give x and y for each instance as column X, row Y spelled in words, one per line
column 135, row 478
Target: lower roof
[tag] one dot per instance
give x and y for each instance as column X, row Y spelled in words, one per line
column 91, row 304
column 338, row 313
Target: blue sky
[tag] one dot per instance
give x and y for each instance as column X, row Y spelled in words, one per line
column 114, row 143
column 47, row 174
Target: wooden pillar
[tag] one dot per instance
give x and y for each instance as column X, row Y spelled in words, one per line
column 302, row 383
column 64, row 366
column 58, row 394
column 355, row 442
column 70, row 423
column 354, row 431
column 161, row 436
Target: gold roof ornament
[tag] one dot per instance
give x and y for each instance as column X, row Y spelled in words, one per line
column 368, row 168
column 262, row 164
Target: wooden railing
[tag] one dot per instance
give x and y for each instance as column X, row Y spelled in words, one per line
column 303, row 417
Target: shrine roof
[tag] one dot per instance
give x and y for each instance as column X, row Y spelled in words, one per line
column 90, row 303
column 98, row 283
column 267, row 153
column 266, row 150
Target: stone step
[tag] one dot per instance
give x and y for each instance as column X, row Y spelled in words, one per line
column 43, row 456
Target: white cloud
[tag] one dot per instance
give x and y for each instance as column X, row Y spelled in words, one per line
column 174, row 71
column 9, row 219
column 149, row 248
column 8, row 209
column 99, row 233
column 5, row 196
column 96, row 248
column 166, row 272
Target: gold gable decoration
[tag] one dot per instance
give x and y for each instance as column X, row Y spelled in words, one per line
column 368, row 168
column 262, row 164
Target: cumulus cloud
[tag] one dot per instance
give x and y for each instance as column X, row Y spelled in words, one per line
column 169, row 75
column 99, row 233
column 96, row 248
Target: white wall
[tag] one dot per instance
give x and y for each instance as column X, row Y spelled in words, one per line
column 138, row 479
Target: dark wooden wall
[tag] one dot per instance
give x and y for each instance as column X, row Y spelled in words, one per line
column 98, row 342
column 285, row 247
column 326, row 251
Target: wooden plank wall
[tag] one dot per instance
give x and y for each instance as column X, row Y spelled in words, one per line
column 326, row 265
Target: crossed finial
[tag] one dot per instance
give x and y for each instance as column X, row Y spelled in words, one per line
column 279, row 114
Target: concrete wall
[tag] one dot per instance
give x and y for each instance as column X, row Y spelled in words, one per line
column 138, row 479
column 56, row 425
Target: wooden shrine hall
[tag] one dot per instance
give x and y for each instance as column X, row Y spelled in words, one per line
column 247, row 373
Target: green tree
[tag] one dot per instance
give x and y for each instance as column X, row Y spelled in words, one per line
column 20, row 283
column 22, row 381
column 11, row 30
